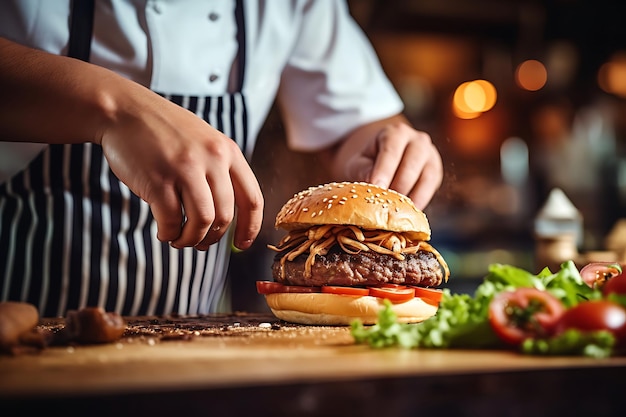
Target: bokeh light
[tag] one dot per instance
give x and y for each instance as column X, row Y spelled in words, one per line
column 612, row 75
column 531, row 75
column 472, row 98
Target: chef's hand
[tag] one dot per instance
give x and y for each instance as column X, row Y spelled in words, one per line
column 192, row 175
column 392, row 154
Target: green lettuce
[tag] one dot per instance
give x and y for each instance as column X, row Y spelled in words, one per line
column 462, row 320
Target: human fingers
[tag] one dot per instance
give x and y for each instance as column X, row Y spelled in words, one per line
column 226, row 160
column 429, row 180
column 224, row 208
column 249, row 201
column 166, row 209
column 409, row 161
column 198, row 205
column 182, row 167
column 419, row 155
column 390, row 145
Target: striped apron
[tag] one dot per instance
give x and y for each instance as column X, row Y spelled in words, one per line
column 72, row 235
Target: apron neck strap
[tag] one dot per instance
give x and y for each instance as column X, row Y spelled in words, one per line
column 241, row 40
column 81, row 28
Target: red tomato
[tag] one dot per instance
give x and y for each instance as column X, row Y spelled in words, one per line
column 432, row 294
column 355, row 291
column 399, row 294
column 300, row 289
column 390, row 285
column 271, row 287
column 615, row 285
column 523, row 313
column 595, row 315
column 268, row 287
column 596, row 274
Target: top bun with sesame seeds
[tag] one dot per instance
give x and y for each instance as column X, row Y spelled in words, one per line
column 354, row 203
column 348, row 247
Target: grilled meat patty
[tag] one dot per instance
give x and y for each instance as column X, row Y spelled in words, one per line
column 362, row 269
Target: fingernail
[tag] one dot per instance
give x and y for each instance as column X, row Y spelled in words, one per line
column 379, row 182
column 243, row 245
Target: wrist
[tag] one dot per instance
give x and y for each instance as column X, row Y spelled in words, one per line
column 110, row 102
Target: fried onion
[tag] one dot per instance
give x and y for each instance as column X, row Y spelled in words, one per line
column 317, row 240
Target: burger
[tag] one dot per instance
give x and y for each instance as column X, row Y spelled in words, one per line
column 349, row 247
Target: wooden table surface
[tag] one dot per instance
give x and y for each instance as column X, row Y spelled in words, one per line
column 248, row 364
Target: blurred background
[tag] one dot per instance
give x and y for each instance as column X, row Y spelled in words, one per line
column 520, row 96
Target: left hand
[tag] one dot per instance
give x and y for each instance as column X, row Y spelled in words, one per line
column 392, row 154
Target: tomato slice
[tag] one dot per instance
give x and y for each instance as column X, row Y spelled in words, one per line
column 390, row 285
column 355, row 291
column 394, row 294
column 432, row 294
column 300, row 289
column 268, row 287
column 271, row 287
column 595, row 274
column 526, row 312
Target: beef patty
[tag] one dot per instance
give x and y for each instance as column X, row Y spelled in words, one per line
column 364, row 268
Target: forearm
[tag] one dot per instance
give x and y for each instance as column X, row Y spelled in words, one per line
column 54, row 99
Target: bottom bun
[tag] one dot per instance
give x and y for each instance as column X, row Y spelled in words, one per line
column 333, row 309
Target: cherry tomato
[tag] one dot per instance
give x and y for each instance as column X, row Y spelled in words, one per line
column 399, row 294
column 271, row 287
column 524, row 313
column 596, row 274
column 595, row 315
column 615, row 285
column 428, row 294
column 355, row 291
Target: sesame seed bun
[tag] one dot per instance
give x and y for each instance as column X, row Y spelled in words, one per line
column 337, row 310
column 352, row 234
column 354, row 203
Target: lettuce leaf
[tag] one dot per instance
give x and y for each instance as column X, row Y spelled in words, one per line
column 572, row 342
column 462, row 320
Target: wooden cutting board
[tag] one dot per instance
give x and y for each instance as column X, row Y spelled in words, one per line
column 241, row 350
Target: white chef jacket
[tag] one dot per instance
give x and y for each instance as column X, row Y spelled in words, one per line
column 309, row 54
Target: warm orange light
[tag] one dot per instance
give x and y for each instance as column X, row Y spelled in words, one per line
column 463, row 114
column 473, row 98
column 490, row 94
column 612, row 75
column 531, row 75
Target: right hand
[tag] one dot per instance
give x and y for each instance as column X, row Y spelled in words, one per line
column 192, row 176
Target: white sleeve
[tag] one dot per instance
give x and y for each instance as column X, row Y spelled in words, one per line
column 333, row 81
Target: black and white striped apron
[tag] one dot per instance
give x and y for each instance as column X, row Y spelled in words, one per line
column 72, row 235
